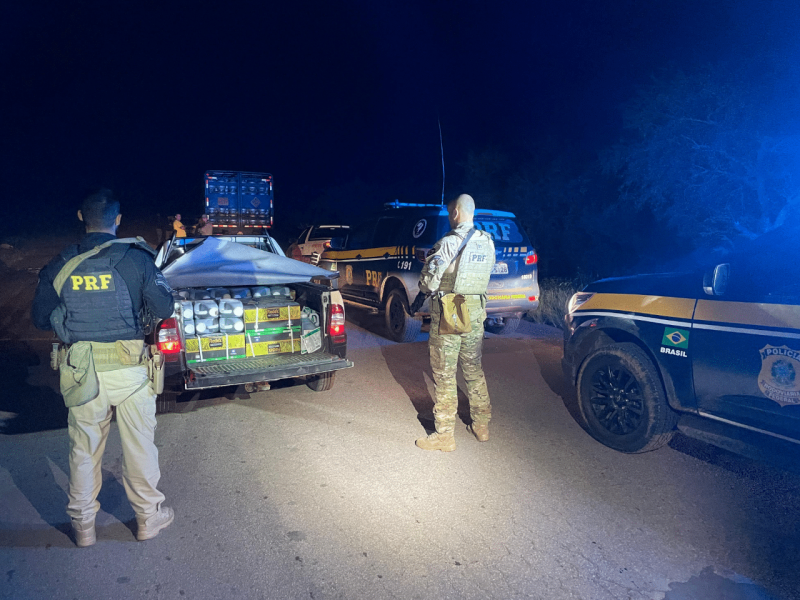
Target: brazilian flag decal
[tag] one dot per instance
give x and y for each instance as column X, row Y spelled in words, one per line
column 677, row 338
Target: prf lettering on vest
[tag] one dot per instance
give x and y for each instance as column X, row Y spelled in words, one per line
column 477, row 258
column 374, row 278
column 91, row 283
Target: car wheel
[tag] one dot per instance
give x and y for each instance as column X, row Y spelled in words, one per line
column 166, row 402
column 402, row 327
column 622, row 400
column 507, row 327
column 321, row 383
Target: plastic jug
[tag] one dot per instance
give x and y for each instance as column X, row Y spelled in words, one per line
column 205, row 309
column 186, row 309
column 231, row 325
column 231, row 308
column 206, row 326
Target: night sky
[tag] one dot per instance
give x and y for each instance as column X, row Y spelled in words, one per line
column 144, row 97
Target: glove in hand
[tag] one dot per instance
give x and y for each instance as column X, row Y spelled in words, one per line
column 417, row 304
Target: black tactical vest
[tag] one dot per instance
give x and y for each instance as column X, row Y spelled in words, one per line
column 96, row 304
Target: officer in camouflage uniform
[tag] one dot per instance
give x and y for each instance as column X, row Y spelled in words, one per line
column 467, row 275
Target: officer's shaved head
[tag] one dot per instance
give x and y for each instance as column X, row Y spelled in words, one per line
column 461, row 210
column 99, row 211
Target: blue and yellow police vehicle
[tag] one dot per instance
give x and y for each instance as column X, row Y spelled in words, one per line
column 713, row 352
column 380, row 266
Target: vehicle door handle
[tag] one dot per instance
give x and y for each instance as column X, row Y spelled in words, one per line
column 358, row 256
column 386, row 255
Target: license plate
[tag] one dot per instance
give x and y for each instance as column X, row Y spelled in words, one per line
column 500, row 268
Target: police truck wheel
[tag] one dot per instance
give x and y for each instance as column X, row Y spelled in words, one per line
column 402, row 327
column 622, row 400
column 321, row 383
column 166, row 402
column 508, row 326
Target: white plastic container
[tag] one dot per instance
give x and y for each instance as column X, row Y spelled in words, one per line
column 231, row 325
column 206, row 326
column 240, row 292
column 186, row 309
column 260, row 292
column 218, row 293
column 279, row 290
column 206, row 309
column 188, row 328
column 231, row 308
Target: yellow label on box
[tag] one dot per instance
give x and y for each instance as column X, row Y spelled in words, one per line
column 273, row 347
column 272, row 313
column 210, row 343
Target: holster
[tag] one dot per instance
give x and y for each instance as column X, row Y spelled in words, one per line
column 155, row 369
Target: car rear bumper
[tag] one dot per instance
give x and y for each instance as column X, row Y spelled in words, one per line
column 511, row 306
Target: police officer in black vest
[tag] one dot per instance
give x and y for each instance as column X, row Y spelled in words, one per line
column 97, row 302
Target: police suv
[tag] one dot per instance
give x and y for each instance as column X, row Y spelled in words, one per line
column 384, row 255
column 713, row 352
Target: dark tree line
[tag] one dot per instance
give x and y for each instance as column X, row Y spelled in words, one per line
column 706, row 158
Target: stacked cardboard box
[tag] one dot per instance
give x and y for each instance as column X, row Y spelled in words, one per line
column 214, row 347
column 272, row 325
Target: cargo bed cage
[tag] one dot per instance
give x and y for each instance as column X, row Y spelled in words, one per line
column 258, row 369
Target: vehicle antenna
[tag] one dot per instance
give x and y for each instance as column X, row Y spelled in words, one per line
column 441, row 148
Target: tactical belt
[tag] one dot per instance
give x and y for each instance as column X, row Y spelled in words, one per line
column 128, row 353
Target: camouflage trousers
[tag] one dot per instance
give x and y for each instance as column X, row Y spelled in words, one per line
column 447, row 353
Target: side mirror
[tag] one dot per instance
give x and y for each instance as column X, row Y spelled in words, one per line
column 715, row 282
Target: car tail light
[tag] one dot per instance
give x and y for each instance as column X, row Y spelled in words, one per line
column 531, row 258
column 531, row 298
column 327, row 245
column 169, row 339
column 336, row 323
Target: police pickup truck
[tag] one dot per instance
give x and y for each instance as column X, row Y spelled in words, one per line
column 245, row 314
column 713, row 352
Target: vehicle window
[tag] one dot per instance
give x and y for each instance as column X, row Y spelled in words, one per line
column 387, row 231
column 361, row 235
column 504, row 231
column 766, row 278
column 326, row 233
column 425, row 231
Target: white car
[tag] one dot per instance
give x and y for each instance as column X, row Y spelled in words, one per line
column 313, row 241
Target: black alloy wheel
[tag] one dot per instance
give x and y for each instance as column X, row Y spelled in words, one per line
column 622, row 400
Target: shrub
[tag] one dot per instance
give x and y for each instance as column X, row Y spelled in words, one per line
column 554, row 293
